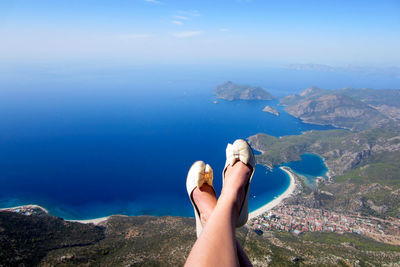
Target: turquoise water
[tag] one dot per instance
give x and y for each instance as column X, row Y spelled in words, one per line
column 310, row 166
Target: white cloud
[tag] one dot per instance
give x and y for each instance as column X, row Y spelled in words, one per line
column 153, row 1
column 224, row 30
column 177, row 22
column 185, row 34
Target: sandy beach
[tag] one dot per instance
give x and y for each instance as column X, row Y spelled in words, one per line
column 94, row 221
column 279, row 199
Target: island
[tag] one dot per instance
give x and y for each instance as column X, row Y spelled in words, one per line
column 271, row 110
column 230, row 91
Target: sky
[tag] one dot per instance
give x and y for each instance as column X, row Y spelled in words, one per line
column 332, row 32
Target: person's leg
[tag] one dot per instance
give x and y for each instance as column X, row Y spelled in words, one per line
column 206, row 199
column 216, row 245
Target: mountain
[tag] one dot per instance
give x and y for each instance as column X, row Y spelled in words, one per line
column 363, row 166
column 44, row 240
column 230, row 91
column 386, row 101
column 354, row 109
column 363, row 179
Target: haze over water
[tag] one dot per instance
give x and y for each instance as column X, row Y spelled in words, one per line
column 122, row 141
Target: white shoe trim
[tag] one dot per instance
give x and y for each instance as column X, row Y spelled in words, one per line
column 199, row 174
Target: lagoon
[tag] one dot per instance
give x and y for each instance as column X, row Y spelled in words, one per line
column 310, row 166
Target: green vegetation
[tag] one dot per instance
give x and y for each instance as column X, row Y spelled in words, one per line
column 289, row 148
column 166, row 241
column 353, row 240
column 26, row 239
column 373, row 97
column 383, row 173
column 377, row 184
column 332, row 249
column 364, row 165
column 342, row 150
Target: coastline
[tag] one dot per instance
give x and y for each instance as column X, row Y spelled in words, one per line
column 27, row 209
column 268, row 206
column 95, row 221
column 278, row 200
column 32, row 209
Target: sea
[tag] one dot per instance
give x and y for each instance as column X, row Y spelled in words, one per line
column 87, row 142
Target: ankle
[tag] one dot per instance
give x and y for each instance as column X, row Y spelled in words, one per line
column 236, row 178
column 230, row 194
column 229, row 200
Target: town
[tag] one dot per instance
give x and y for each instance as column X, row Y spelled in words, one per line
column 298, row 219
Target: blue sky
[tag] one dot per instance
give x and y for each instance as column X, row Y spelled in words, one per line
column 164, row 31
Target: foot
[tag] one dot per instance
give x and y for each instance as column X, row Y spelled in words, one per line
column 236, row 179
column 205, row 200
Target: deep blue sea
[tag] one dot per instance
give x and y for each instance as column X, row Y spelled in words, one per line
column 93, row 145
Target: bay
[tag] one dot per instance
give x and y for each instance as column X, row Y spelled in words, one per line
column 310, row 166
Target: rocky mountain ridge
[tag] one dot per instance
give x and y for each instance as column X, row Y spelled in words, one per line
column 354, row 109
column 44, row 240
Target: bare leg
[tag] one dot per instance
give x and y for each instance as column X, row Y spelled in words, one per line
column 206, row 202
column 217, row 246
